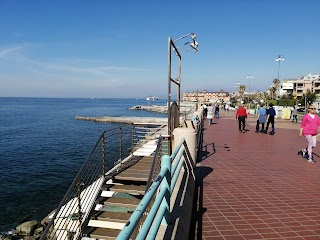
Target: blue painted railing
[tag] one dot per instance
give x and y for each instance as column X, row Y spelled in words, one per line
column 163, row 186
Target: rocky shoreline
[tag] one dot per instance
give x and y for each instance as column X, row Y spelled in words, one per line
column 30, row 230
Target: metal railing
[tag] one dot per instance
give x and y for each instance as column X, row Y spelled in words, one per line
column 111, row 148
column 163, row 186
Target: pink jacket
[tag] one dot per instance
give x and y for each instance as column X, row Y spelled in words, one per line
column 310, row 125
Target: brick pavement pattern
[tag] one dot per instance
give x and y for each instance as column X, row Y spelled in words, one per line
column 254, row 185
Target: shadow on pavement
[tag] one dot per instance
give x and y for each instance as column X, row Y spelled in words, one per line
column 205, row 153
column 198, row 210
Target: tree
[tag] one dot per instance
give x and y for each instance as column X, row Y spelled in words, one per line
column 309, row 97
column 242, row 89
column 272, row 92
column 276, row 83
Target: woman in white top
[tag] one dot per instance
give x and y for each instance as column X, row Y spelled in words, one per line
column 210, row 114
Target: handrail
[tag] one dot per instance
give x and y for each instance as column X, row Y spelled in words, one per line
column 67, row 195
column 155, row 163
column 73, row 212
column 160, row 211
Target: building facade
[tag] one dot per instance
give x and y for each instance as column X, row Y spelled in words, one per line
column 207, row 97
column 298, row 87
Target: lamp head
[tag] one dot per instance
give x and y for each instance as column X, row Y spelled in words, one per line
column 279, row 58
column 194, row 45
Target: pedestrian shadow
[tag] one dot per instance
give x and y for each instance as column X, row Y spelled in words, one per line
column 313, row 153
column 198, row 210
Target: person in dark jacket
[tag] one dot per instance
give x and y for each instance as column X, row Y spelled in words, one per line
column 271, row 113
column 241, row 115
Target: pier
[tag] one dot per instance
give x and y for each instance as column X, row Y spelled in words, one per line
column 254, row 185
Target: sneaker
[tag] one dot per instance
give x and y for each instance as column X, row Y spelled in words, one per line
column 310, row 160
column 304, row 151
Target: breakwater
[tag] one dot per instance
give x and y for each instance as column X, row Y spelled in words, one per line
column 151, row 108
column 124, row 119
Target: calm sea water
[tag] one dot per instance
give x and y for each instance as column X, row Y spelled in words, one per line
column 42, row 148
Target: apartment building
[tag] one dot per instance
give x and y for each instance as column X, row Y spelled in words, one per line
column 298, row 87
column 207, row 97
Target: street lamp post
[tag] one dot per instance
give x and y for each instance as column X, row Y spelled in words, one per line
column 237, row 93
column 249, row 77
column 172, row 47
column 278, row 59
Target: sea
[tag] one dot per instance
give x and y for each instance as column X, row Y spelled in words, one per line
column 42, row 147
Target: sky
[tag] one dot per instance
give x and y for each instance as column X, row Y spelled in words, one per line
column 107, row 49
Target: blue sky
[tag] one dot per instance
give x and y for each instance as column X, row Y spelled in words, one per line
column 120, row 48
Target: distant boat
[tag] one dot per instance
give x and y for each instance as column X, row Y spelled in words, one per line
column 151, row 98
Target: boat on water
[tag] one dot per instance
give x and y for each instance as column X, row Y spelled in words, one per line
column 152, row 98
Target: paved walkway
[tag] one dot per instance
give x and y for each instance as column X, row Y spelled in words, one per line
column 255, row 186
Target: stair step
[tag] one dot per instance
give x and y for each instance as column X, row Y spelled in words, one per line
column 120, row 217
column 104, row 233
column 134, row 189
column 122, row 202
column 132, row 176
column 106, row 224
column 116, row 209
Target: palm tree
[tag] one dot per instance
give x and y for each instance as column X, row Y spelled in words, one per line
column 242, row 89
column 272, row 92
column 276, row 83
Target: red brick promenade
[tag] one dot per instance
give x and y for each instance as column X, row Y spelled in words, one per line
column 255, row 186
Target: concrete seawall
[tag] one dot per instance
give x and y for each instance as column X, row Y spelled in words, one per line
column 123, row 119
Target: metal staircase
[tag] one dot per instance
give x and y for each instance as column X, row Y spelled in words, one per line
column 119, row 197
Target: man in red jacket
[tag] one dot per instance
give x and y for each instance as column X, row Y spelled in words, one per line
column 241, row 115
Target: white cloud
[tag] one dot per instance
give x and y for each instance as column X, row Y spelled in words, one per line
column 90, row 70
column 8, row 52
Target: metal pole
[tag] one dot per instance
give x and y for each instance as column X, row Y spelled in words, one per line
column 279, row 68
column 103, row 154
column 249, row 95
column 179, row 84
column 79, row 184
column 305, row 105
column 169, row 95
column 249, row 77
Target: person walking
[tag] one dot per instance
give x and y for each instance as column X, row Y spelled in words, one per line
column 295, row 114
column 262, row 117
column 216, row 112
column 241, row 115
column 271, row 113
column 209, row 114
column 205, row 110
column 227, row 108
column 309, row 128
